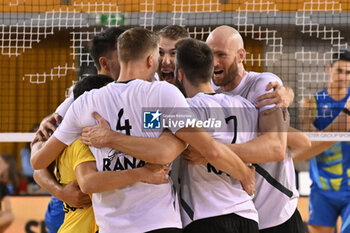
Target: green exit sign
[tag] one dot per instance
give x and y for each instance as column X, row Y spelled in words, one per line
column 110, row 19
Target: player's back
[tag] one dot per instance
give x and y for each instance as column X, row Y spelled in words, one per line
column 240, row 115
column 205, row 190
column 139, row 207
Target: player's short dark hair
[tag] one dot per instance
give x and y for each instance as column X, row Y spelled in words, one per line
column 135, row 43
column 174, row 32
column 195, row 58
column 104, row 42
column 89, row 82
column 342, row 55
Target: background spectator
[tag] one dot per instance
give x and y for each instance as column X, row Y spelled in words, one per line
column 10, row 175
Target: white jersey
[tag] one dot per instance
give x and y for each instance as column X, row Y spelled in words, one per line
column 139, row 207
column 275, row 204
column 254, row 85
column 64, row 106
column 205, row 190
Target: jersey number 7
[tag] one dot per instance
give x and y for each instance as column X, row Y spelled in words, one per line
column 234, row 118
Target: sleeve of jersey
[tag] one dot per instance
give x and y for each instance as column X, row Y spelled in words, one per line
column 175, row 108
column 260, row 85
column 63, row 108
column 70, row 128
column 81, row 154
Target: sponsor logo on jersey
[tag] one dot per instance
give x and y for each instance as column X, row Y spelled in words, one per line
column 118, row 161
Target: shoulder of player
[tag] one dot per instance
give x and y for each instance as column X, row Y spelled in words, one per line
column 193, row 101
column 268, row 76
column 202, row 99
column 165, row 88
column 89, row 94
column 76, row 150
column 231, row 100
column 239, row 101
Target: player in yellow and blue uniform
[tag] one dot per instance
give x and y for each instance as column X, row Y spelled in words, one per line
column 330, row 170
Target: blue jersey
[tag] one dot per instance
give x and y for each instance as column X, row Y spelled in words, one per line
column 330, row 170
column 54, row 215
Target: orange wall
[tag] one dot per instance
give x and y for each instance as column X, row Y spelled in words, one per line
column 159, row 5
column 24, row 103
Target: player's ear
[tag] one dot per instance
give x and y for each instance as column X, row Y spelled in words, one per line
column 241, row 55
column 150, row 61
column 103, row 63
column 329, row 68
column 180, row 75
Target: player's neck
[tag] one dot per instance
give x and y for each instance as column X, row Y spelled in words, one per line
column 107, row 73
column 129, row 72
column 203, row 87
column 337, row 93
column 235, row 82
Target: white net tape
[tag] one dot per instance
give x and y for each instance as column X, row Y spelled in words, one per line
column 297, row 62
column 336, row 136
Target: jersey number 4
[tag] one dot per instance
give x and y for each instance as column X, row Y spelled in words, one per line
column 127, row 127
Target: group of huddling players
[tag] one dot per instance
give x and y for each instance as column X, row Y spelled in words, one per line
column 238, row 177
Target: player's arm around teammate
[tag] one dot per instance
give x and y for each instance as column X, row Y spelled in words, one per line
column 69, row 193
column 282, row 97
column 92, row 181
column 151, row 149
column 162, row 150
column 297, row 140
column 274, row 131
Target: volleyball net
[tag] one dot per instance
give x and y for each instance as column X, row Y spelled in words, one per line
column 44, row 46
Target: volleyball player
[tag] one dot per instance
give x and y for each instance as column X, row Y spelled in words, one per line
column 211, row 201
column 328, row 110
column 276, row 196
column 141, row 207
column 104, row 53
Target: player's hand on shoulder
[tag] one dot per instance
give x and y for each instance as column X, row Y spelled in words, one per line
column 248, row 184
column 96, row 135
column 73, row 196
column 47, row 127
column 282, row 97
column 193, row 157
column 156, row 174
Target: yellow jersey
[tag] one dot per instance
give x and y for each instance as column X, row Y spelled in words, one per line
column 75, row 219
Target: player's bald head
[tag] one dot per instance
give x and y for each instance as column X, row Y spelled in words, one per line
column 227, row 35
